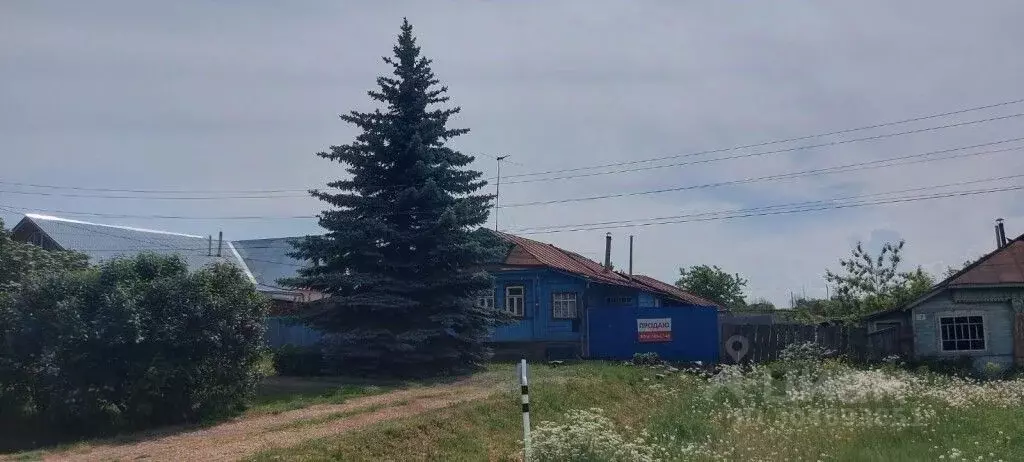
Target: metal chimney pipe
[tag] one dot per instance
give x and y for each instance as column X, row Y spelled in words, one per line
column 220, row 241
column 1002, row 232
column 608, row 251
column 630, row 254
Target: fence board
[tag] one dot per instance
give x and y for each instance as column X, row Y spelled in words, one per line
column 768, row 341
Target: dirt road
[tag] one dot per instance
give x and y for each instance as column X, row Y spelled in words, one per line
column 244, row 437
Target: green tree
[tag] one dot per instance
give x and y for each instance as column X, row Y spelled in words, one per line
column 398, row 260
column 713, row 284
column 130, row 344
column 20, row 261
column 874, row 283
column 761, row 304
column 813, row 310
column 951, row 270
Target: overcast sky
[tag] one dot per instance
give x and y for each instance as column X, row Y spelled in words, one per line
column 240, row 95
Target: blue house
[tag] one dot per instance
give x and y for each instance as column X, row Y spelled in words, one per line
column 551, row 291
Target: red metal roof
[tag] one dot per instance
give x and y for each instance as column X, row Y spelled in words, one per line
column 550, row 256
column 1003, row 266
column 673, row 290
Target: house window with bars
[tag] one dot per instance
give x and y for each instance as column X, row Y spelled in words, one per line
column 962, row 333
column 563, row 305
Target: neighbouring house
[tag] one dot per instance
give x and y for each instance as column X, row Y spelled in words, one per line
column 269, row 261
column 263, row 261
column 977, row 312
column 103, row 242
column 550, row 291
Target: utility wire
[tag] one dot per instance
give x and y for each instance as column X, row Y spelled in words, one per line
column 858, row 166
column 776, row 209
column 634, row 162
column 765, row 153
column 781, row 141
column 586, row 227
column 881, row 163
column 792, row 204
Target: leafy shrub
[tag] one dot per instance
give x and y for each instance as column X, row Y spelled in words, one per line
column 803, row 352
column 646, row 359
column 133, row 343
column 958, row 366
column 291, row 360
column 589, row 436
column 801, row 358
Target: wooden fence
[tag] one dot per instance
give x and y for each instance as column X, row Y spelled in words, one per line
column 766, row 342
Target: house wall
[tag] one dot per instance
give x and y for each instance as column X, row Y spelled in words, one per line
column 28, row 232
column 537, row 324
column 992, row 304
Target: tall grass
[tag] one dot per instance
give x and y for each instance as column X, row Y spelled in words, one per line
column 613, row 412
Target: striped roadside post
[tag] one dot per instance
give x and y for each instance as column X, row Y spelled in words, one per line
column 523, row 382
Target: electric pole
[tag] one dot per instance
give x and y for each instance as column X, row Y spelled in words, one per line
column 497, row 190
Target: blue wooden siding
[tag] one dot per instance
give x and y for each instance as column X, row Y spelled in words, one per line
column 538, row 324
column 613, row 333
column 992, row 305
column 283, row 330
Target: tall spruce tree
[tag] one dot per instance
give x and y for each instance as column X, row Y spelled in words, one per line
column 399, row 260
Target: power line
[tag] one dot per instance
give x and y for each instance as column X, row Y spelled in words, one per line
column 589, row 227
column 859, row 166
column 780, row 141
column 881, row 163
column 247, row 192
column 764, row 153
column 777, row 209
column 792, row 204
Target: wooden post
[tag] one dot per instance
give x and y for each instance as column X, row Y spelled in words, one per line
column 526, row 409
column 1018, row 339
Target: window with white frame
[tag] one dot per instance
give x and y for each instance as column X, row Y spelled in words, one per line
column 515, row 300
column 962, row 333
column 563, row 305
column 485, row 299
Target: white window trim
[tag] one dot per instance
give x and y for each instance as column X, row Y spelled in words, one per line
column 522, row 296
column 575, row 313
column 956, row 314
column 483, row 299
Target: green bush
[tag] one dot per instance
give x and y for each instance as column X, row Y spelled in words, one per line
column 291, row 360
column 134, row 343
column 646, row 359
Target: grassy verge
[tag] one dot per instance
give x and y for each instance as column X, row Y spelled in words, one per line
column 274, row 395
column 279, row 394
column 490, row 429
column 857, row 415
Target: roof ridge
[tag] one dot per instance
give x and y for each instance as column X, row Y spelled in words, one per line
column 36, row 216
column 978, row 262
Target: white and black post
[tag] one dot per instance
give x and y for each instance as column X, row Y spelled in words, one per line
column 526, row 409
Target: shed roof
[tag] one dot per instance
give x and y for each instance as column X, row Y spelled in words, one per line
column 528, row 252
column 269, row 260
column 103, row 242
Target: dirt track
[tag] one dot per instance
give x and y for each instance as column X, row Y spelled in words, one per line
column 244, row 437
